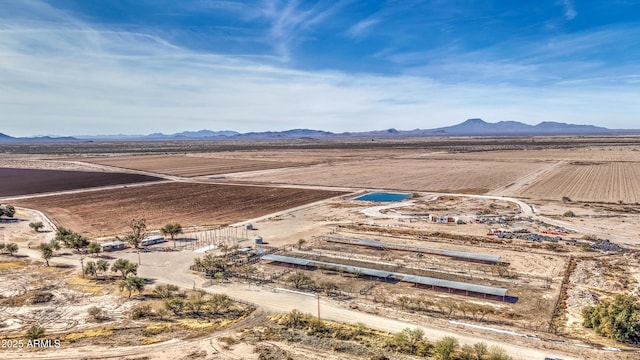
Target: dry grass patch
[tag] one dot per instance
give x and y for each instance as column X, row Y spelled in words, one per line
column 12, row 265
column 151, row 340
column 88, row 286
column 91, row 333
column 157, row 328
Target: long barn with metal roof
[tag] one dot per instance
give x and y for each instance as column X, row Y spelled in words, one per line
column 454, row 287
column 460, row 255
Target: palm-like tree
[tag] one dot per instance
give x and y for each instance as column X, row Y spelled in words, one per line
column 90, row 268
column 102, row 265
column 125, row 267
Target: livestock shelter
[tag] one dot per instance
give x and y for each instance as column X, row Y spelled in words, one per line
column 452, row 287
column 454, row 254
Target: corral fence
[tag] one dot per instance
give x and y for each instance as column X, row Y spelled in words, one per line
column 221, row 236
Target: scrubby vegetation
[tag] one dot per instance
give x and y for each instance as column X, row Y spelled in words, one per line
column 358, row 340
column 617, row 319
column 7, row 211
column 8, row 248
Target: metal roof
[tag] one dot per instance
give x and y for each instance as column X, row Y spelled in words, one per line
column 113, row 243
column 347, row 268
column 285, row 259
column 489, row 290
column 357, row 269
column 452, row 253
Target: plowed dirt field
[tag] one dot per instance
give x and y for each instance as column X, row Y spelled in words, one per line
column 106, row 212
column 36, row 181
column 461, row 176
column 590, row 181
column 187, row 165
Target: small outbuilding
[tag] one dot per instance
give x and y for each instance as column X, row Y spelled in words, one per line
column 249, row 226
column 258, row 240
column 113, row 245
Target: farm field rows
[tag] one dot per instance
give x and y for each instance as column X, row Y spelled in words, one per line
column 461, row 176
column 33, row 181
column 590, row 181
column 107, row 212
column 604, row 153
column 188, row 166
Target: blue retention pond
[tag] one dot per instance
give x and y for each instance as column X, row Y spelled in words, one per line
column 383, row 196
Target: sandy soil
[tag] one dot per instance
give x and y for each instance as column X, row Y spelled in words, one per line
column 185, row 165
column 412, row 175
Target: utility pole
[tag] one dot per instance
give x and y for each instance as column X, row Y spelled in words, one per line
column 82, row 264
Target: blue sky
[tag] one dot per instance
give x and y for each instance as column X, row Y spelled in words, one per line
column 73, row 67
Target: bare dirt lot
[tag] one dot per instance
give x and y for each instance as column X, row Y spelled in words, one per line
column 459, row 176
column 33, row 181
column 106, row 212
column 186, row 165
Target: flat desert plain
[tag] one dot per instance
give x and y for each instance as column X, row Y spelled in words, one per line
column 187, row 166
column 569, row 194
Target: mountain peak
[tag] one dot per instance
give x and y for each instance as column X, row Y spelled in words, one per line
column 475, row 127
column 474, row 121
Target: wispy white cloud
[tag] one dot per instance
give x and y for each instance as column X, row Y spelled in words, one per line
column 361, row 27
column 569, row 10
column 59, row 75
column 289, row 20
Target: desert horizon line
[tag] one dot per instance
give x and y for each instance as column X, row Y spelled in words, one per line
column 468, row 125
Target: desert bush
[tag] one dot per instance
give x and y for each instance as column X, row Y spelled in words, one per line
column 444, row 347
column 142, row 311
column 175, row 305
column 165, row 291
column 300, row 280
column 266, row 352
column 566, row 199
column 569, row 213
column 409, row 341
column 9, row 248
column 35, row 332
column 618, row 319
column 97, row 313
column 498, row 353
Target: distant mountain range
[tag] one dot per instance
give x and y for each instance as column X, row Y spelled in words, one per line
column 471, row 127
